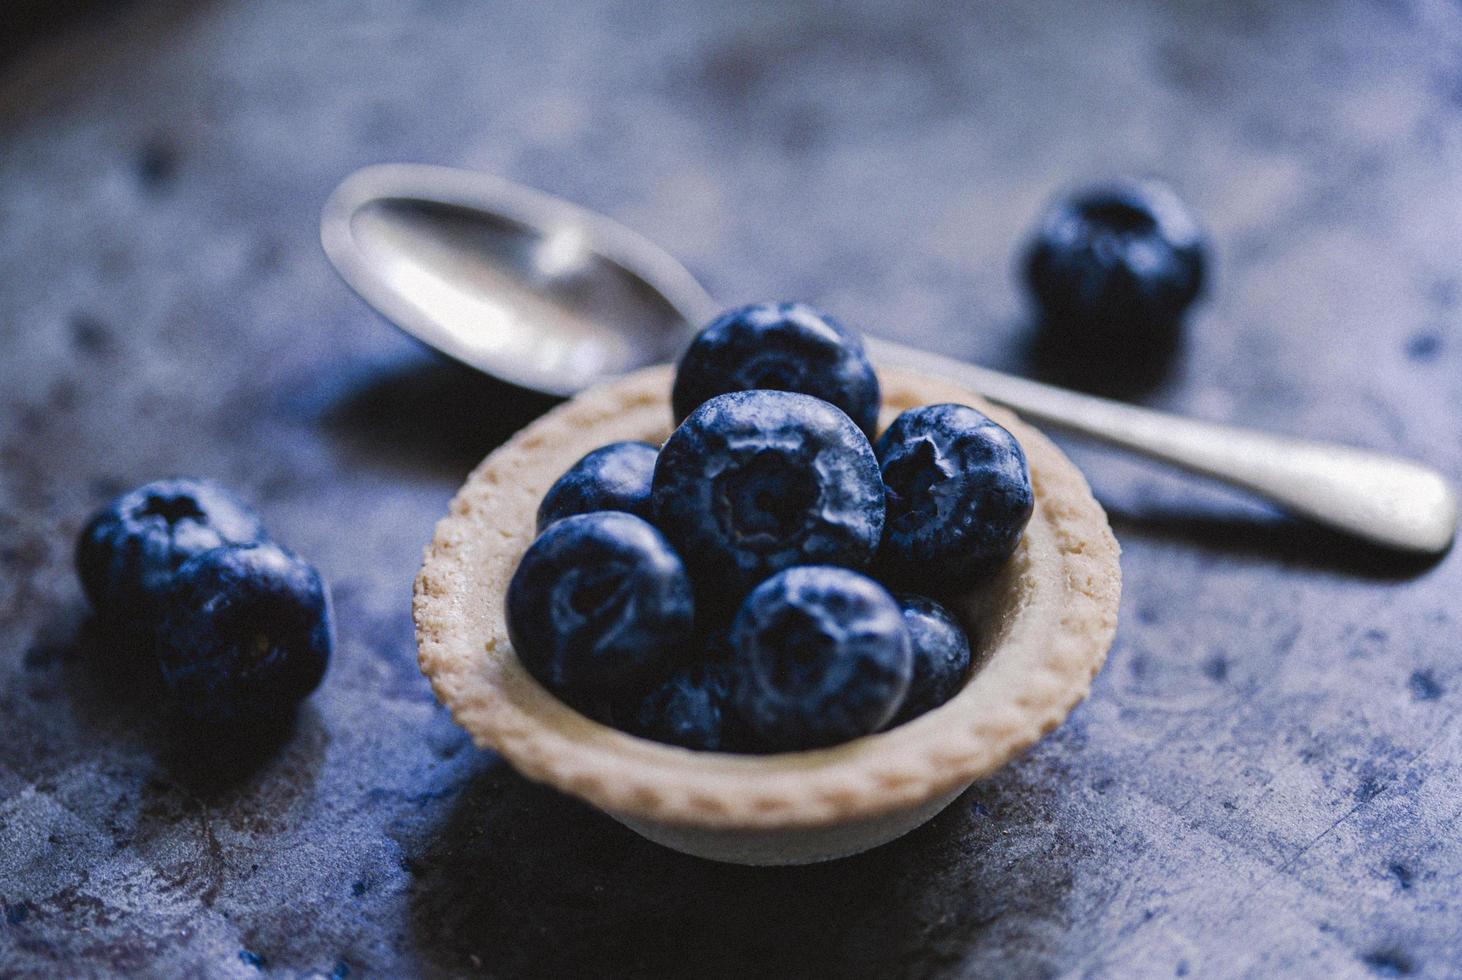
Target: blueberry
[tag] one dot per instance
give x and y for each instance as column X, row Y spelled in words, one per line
column 691, row 708
column 757, row 481
column 246, row 635
column 1124, row 260
column 823, row 656
column 941, row 656
column 612, row 477
column 128, row 552
column 959, row 497
column 781, row 346
column 598, row 604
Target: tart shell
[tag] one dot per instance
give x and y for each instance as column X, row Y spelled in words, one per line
column 1041, row 631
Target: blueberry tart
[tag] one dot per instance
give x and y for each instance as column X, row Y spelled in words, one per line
column 886, row 760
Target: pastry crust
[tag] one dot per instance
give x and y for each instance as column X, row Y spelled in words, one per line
column 1043, row 628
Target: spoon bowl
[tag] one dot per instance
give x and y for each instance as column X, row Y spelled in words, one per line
column 523, row 286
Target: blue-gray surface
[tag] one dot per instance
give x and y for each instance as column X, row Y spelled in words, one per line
column 1267, row 777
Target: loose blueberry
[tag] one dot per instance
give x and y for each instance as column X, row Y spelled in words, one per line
column 941, row 656
column 959, row 497
column 823, row 656
column 246, row 635
column 599, row 603
column 129, row 550
column 757, row 481
column 691, row 708
column 781, row 346
column 612, row 477
column 1123, row 260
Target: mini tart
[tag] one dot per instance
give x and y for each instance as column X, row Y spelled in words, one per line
column 1041, row 631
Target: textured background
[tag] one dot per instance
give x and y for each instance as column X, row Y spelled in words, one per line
column 1266, row 776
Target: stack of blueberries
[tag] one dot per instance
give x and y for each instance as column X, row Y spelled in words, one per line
column 768, row 580
column 771, row 578
column 237, row 626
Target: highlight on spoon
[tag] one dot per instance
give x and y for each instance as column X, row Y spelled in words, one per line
column 516, row 283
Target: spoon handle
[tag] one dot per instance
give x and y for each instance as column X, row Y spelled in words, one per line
column 1380, row 498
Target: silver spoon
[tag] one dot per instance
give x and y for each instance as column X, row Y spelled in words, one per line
column 544, row 294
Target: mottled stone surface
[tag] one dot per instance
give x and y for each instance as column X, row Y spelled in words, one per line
column 1268, row 775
